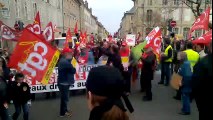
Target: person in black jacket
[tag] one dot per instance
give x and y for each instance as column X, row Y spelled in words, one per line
column 4, row 70
column 202, row 86
column 20, row 94
column 3, row 100
column 147, row 71
column 105, row 88
column 65, row 79
column 114, row 59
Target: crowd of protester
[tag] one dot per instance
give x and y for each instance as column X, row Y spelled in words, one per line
column 192, row 62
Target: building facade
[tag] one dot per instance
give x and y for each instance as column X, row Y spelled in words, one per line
column 149, row 14
column 25, row 11
column 89, row 21
column 126, row 26
column 62, row 13
column 72, row 11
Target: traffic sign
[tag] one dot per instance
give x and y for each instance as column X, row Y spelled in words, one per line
column 173, row 23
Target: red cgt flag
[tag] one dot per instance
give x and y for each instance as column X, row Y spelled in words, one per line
column 34, row 57
column 205, row 39
column 154, row 40
column 8, row 33
column 36, row 27
column 37, row 19
column 48, row 32
column 202, row 22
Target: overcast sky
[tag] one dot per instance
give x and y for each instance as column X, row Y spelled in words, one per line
column 110, row 12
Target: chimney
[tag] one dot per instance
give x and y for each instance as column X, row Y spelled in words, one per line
column 86, row 3
column 90, row 10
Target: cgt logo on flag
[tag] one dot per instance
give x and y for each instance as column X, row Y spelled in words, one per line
column 205, row 39
column 34, row 28
column 202, row 22
column 7, row 33
column 48, row 32
column 154, row 40
column 34, row 57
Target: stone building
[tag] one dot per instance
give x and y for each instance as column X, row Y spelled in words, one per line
column 88, row 20
column 25, row 11
column 126, row 26
column 72, row 13
column 151, row 13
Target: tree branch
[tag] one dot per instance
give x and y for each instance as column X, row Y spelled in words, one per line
column 198, row 7
column 191, row 1
column 191, row 6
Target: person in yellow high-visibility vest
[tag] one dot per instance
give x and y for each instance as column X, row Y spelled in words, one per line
column 166, row 60
column 192, row 55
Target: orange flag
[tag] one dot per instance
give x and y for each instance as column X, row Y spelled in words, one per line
column 85, row 36
column 37, row 19
column 81, row 37
column 68, row 38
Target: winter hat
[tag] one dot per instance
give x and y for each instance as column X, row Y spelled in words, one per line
column 105, row 81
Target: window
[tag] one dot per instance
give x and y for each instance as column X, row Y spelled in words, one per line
column 185, row 32
column 6, row 9
column 198, row 33
column 165, row 2
column 201, row 10
column 149, row 16
column 25, row 9
column 131, row 18
column 17, row 5
column 149, row 2
column 176, row 30
column 58, row 4
column 176, row 2
column 35, row 8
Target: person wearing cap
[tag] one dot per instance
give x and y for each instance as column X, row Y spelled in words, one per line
column 147, row 72
column 65, row 79
column 125, row 52
column 202, row 85
column 105, row 88
column 166, row 61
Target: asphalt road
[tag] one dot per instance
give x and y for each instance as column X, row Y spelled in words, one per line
column 163, row 106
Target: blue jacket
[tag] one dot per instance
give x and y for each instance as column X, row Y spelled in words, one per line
column 186, row 73
column 65, row 72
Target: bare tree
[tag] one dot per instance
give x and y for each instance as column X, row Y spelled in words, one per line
column 195, row 6
column 158, row 20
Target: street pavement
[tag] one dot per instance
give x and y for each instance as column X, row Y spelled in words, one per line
column 163, row 106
